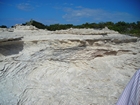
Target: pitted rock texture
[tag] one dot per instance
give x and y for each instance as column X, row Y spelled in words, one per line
column 89, row 31
column 65, row 71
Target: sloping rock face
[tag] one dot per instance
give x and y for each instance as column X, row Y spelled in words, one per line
column 6, row 29
column 89, row 31
column 66, row 69
column 20, row 27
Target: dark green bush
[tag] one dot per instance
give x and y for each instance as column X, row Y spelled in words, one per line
column 3, row 26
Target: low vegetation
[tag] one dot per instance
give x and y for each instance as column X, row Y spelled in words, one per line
column 121, row 26
column 3, row 26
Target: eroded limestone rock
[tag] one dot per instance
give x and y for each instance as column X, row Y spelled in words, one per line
column 59, row 70
column 75, row 31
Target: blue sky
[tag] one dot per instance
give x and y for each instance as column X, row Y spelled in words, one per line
column 68, row 11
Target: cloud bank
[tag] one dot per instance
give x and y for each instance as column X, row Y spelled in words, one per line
column 25, row 7
column 96, row 15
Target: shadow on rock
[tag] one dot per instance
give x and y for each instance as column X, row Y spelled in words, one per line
column 11, row 47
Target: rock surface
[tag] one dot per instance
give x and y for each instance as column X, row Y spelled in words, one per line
column 21, row 27
column 60, row 69
column 103, row 31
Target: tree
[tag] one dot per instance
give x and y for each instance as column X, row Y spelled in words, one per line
column 110, row 25
column 3, row 26
column 36, row 24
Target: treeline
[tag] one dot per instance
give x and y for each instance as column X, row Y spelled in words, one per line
column 3, row 26
column 122, row 27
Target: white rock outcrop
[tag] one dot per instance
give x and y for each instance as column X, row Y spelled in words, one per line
column 21, row 27
column 65, row 69
column 75, row 31
column 3, row 29
column 6, row 29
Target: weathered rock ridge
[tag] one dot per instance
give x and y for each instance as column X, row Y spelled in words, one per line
column 103, row 31
column 38, row 67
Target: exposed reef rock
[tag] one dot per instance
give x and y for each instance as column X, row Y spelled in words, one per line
column 38, row 67
column 20, row 27
column 103, row 31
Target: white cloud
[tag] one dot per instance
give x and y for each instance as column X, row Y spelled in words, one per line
column 68, row 4
column 79, row 7
column 96, row 15
column 25, row 7
column 7, row 4
column 75, row 15
column 65, row 3
column 71, row 4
